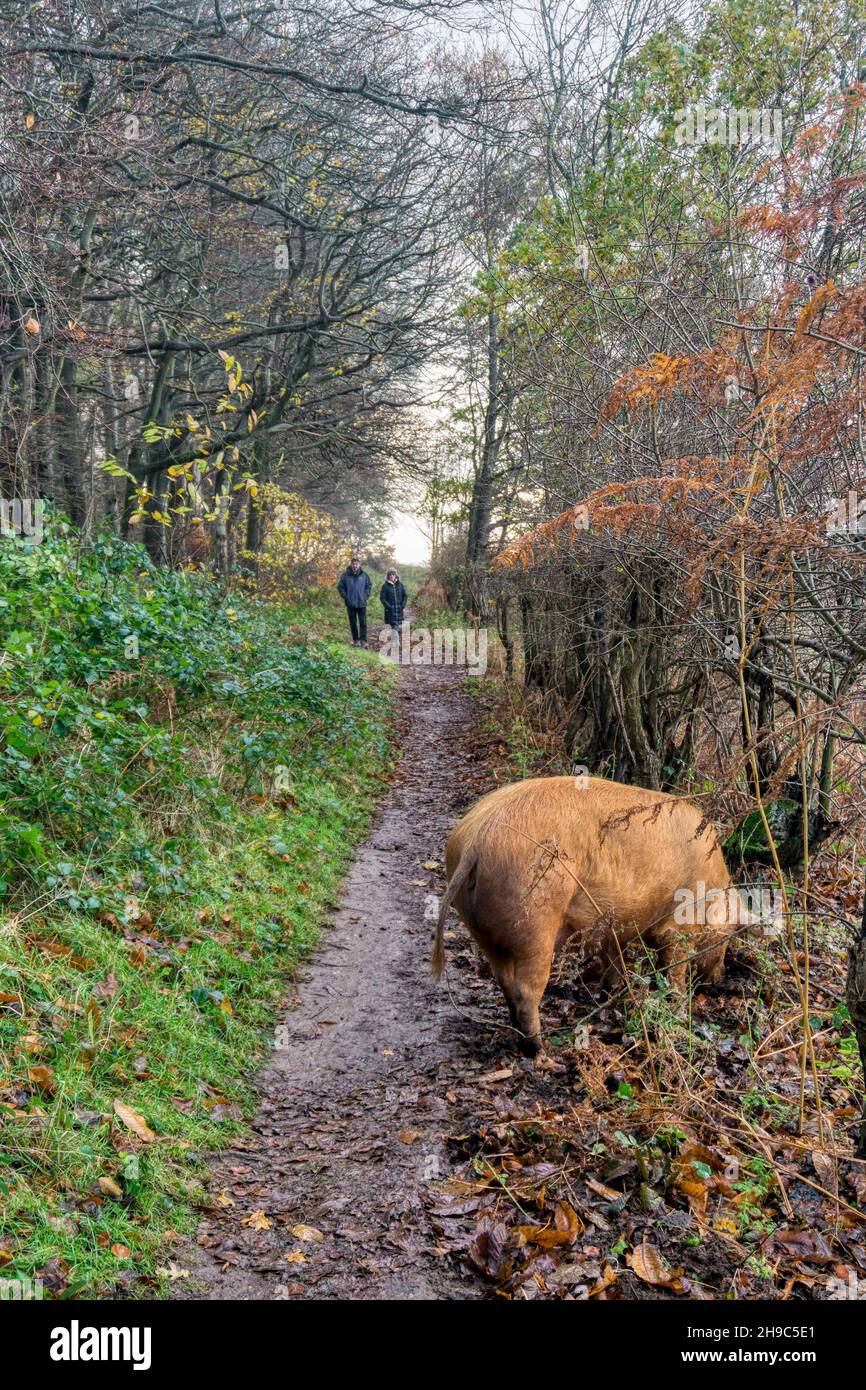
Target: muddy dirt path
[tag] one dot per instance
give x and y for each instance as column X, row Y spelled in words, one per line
column 355, row 1101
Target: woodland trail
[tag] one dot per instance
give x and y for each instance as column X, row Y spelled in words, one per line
column 355, row 1101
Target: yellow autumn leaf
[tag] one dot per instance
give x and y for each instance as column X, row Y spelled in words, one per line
column 726, row 1224
column 307, row 1233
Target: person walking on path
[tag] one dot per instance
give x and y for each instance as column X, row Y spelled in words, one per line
column 355, row 587
column 394, row 599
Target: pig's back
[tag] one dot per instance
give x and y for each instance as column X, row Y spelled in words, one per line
column 624, row 848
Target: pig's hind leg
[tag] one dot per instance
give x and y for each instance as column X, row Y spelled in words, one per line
column 523, row 980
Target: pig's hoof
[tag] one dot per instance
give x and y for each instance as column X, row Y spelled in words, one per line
column 531, row 1046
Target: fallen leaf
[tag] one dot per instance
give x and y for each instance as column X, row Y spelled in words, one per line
column 134, row 1121
column 110, row 1187
column 50, row 948
column 825, row 1167
column 650, row 1266
column 308, row 1233
column 804, row 1245
column 489, row 1250
column 726, row 1224
column 608, row 1277
column 44, row 1078
column 257, row 1221
column 105, row 989
column 567, row 1226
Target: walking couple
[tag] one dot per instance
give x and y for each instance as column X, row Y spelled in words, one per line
column 356, row 586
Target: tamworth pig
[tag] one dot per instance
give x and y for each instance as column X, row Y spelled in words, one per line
column 540, row 861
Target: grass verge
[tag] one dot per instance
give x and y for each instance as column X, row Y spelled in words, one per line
column 175, row 827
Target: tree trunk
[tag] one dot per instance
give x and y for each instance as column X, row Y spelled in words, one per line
column 70, row 451
column 504, row 632
column 481, row 503
column 220, row 527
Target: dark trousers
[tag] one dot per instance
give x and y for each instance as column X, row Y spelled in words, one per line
column 358, row 623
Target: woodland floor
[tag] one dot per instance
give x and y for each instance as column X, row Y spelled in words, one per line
column 403, row 1151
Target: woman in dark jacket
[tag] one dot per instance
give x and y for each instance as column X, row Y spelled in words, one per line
column 394, row 599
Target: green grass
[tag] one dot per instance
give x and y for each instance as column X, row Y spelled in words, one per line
column 162, row 884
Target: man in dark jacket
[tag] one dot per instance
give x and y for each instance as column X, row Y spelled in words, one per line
column 393, row 597
column 355, row 587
